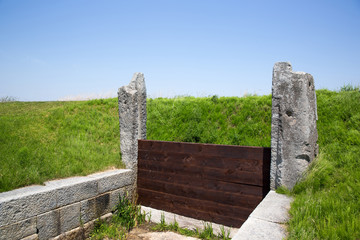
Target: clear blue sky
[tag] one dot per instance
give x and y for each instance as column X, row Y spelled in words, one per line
column 54, row 49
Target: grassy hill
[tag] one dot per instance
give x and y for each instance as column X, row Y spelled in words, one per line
column 47, row 140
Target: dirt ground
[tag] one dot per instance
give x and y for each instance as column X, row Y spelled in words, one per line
column 143, row 232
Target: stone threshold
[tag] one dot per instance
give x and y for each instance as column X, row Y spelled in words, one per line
column 268, row 219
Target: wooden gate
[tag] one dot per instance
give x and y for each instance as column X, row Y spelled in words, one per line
column 217, row 183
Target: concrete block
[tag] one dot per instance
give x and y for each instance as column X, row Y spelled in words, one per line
column 113, row 179
column 274, row 208
column 69, row 217
column 18, row 230
column 257, row 229
column 95, row 207
column 293, row 126
column 75, row 189
column 48, row 224
column 25, row 203
column 114, row 197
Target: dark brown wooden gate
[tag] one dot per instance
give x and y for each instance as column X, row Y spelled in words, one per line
column 216, row 183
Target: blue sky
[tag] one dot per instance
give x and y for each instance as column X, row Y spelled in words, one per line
column 52, row 50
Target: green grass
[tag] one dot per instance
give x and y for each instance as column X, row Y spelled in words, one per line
column 225, row 120
column 206, row 233
column 327, row 202
column 127, row 215
column 41, row 141
column 48, row 140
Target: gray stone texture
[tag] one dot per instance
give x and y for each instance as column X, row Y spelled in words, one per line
column 27, row 204
column 74, row 189
column 115, row 179
column 48, row 224
column 31, row 237
column 18, row 230
column 132, row 117
column 293, row 127
column 57, row 207
column 114, row 197
column 69, row 217
column 95, row 207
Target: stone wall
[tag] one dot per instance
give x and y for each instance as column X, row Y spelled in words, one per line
column 293, row 127
column 61, row 207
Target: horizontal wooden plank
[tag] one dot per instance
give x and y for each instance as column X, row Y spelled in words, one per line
column 204, row 149
column 203, row 210
column 189, row 191
column 226, row 175
column 248, row 165
column 194, row 180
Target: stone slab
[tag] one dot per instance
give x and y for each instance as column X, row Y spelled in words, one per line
column 267, row 220
column 257, row 229
column 69, row 217
column 273, row 208
column 16, row 206
column 75, row 189
column 18, row 230
column 95, row 207
column 113, row 179
column 114, row 197
column 48, row 224
column 82, row 232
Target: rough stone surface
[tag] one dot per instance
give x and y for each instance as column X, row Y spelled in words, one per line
column 32, row 237
column 82, row 232
column 114, row 197
column 21, row 206
column 69, row 217
column 59, row 206
column 115, row 179
column 18, row 230
column 132, row 117
column 48, row 224
column 293, row 127
column 75, row 189
column 95, row 207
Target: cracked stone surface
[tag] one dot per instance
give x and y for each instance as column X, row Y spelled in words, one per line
column 132, row 117
column 293, row 126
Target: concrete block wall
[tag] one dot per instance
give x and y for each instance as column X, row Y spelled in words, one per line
column 45, row 212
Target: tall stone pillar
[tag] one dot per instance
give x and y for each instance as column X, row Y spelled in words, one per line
column 132, row 117
column 293, row 127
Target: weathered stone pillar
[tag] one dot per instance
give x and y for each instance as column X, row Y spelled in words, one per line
column 293, row 127
column 132, row 117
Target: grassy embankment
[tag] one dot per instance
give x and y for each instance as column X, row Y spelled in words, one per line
column 48, row 140
column 40, row 141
